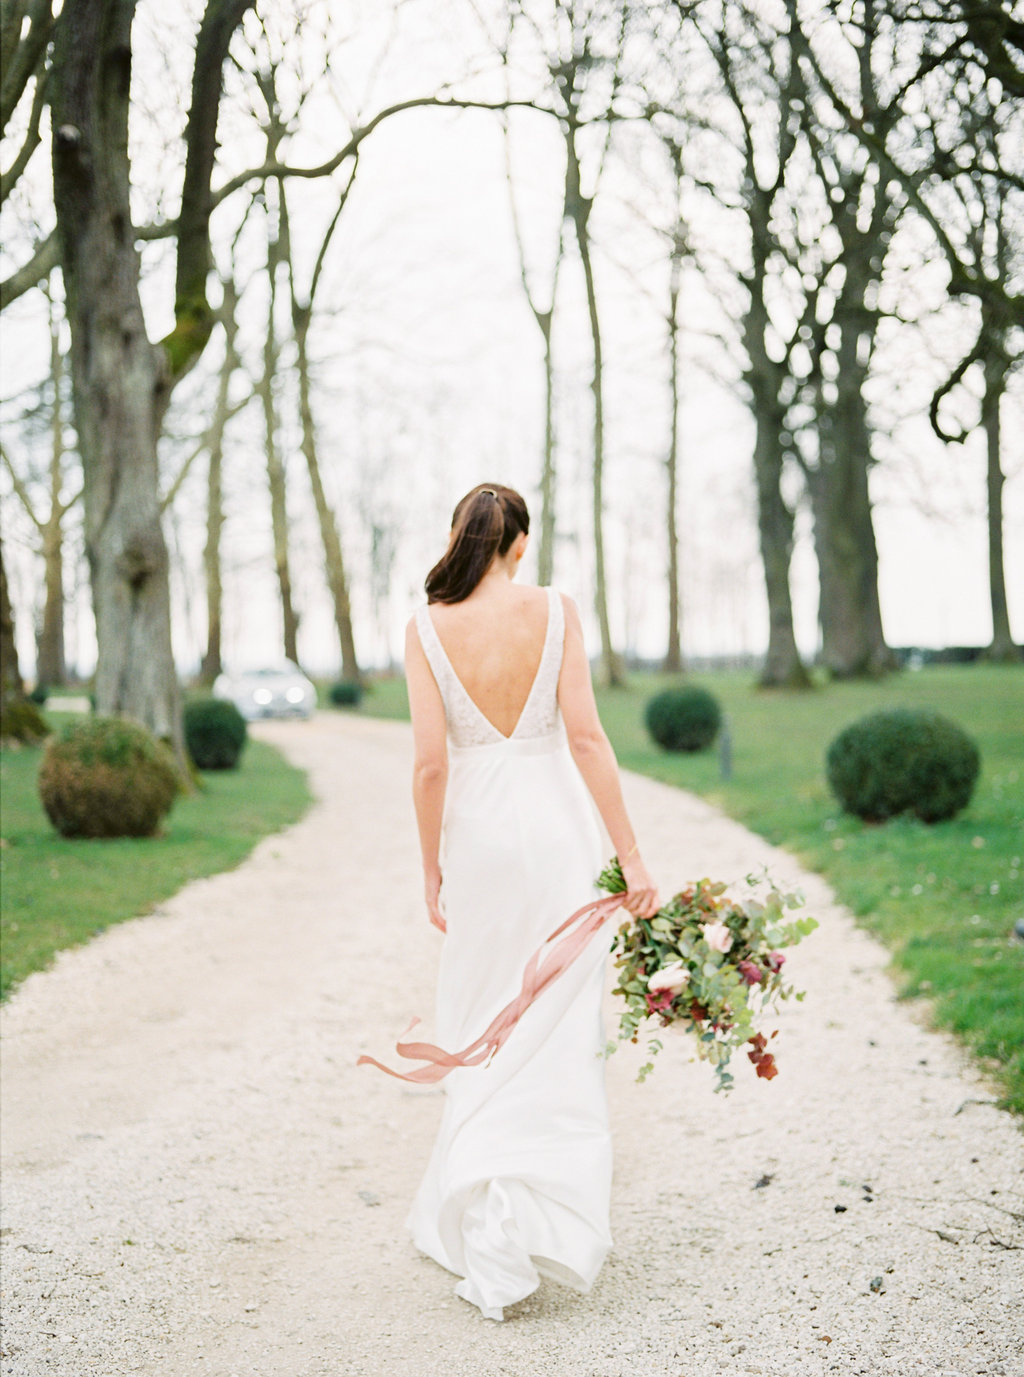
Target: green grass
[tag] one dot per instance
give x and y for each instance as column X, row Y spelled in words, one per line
column 58, row 893
column 943, row 897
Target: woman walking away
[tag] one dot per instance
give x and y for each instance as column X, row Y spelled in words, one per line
column 511, row 760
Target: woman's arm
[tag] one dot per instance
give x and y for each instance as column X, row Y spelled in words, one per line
column 595, row 759
column 430, row 767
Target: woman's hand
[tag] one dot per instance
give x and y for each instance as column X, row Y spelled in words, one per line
column 432, row 894
column 641, row 897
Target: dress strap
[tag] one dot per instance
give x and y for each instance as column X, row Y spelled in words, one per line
column 434, row 650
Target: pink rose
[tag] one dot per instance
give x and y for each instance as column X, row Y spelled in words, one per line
column 751, row 974
column 774, row 960
column 717, row 936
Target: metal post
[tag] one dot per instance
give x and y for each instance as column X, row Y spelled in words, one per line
column 725, row 750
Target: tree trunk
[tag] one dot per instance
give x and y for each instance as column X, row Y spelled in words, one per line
column 546, row 553
column 11, row 686
column 51, row 666
column 120, row 383
column 853, row 644
column 333, row 560
column 579, row 210
column 275, row 464
column 673, row 663
column 212, row 663
column 766, row 377
column 783, row 667
column 1002, row 647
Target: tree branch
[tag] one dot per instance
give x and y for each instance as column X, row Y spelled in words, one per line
column 194, row 318
column 39, row 267
column 9, row 178
column 22, row 491
column 23, row 51
column 280, row 170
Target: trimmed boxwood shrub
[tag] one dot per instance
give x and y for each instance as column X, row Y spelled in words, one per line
column 903, row 760
column 347, row 693
column 215, row 733
column 683, row 719
column 107, row 777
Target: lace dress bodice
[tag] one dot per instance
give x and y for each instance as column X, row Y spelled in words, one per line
column 467, row 726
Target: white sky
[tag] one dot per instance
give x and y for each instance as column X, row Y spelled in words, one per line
column 429, row 380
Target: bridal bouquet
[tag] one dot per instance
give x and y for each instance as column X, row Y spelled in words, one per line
column 707, row 964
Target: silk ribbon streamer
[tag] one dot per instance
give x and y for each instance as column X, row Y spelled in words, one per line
column 543, row 969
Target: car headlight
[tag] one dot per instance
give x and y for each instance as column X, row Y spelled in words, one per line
column 296, row 695
column 262, row 696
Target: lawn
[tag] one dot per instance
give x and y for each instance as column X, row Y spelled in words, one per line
column 943, row 898
column 58, row 893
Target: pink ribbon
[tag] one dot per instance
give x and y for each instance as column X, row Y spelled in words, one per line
column 542, row 970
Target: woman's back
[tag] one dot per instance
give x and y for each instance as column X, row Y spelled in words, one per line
column 494, row 641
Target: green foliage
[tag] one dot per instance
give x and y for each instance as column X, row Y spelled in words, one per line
column 903, row 760
column 708, row 963
column 347, row 693
column 57, row 893
column 107, row 777
column 215, row 733
column 683, row 718
column 39, row 695
column 22, row 721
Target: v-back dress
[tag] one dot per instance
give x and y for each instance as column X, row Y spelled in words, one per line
column 519, row 1180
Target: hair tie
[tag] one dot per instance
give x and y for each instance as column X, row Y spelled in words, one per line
column 489, row 491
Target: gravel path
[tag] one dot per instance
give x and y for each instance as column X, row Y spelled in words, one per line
column 199, row 1180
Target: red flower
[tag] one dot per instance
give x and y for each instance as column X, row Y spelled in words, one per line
column 774, row 960
column 751, row 974
column 764, row 1062
column 659, row 1000
column 697, row 1011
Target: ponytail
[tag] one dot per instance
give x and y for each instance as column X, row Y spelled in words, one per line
column 484, row 524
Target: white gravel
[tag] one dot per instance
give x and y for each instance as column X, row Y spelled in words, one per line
column 198, row 1179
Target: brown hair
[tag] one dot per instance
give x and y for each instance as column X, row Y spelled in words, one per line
column 484, row 524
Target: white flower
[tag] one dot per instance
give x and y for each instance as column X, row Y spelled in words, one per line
column 717, row 936
column 673, row 977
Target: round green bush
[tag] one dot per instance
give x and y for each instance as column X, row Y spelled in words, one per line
column 215, row 733
column 683, row 719
column 107, row 777
column 347, row 693
column 903, row 760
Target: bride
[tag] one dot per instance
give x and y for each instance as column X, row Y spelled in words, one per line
column 510, row 761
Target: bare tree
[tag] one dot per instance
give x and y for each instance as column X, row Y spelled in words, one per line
column 48, row 519
column 212, row 663
column 122, row 382
column 757, row 82
column 950, row 140
column 583, row 47
column 542, row 308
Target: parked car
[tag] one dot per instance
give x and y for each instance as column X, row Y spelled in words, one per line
column 278, row 690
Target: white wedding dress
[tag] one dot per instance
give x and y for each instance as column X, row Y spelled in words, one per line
column 519, row 1180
